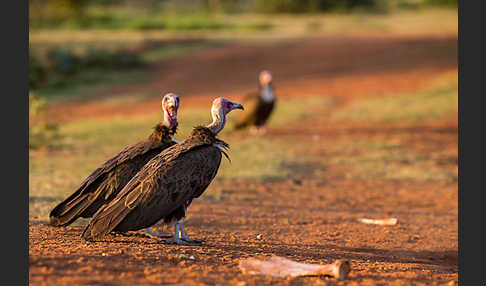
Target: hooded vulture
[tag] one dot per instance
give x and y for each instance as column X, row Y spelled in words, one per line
column 167, row 184
column 104, row 183
column 259, row 105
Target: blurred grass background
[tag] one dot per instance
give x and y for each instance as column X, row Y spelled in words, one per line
column 193, row 14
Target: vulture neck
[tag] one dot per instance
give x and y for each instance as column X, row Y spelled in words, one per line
column 171, row 126
column 218, row 121
column 266, row 93
column 166, row 121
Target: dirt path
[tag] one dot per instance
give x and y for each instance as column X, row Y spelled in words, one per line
column 304, row 218
column 340, row 66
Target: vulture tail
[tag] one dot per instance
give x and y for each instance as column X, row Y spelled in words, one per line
column 70, row 209
column 100, row 226
column 108, row 217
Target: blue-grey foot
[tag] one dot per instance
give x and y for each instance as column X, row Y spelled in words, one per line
column 180, row 237
column 262, row 130
column 185, row 237
column 253, row 130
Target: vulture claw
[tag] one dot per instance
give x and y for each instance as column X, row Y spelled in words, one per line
column 161, row 235
column 193, row 241
column 180, row 241
column 180, row 236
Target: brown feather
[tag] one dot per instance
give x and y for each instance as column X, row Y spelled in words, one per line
column 103, row 184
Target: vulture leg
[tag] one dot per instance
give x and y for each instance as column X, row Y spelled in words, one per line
column 253, row 130
column 184, row 235
column 161, row 235
column 177, row 236
column 180, row 237
column 262, row 130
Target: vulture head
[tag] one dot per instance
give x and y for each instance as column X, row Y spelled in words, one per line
column 170, row 104
column 265, row 78
column 221, row 107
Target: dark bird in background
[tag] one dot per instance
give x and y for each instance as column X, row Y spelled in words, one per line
column 167, row 184
column 104, row 183
column 258, row 106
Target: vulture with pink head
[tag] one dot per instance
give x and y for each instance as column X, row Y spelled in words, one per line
column 104, row 183
column 167, row 184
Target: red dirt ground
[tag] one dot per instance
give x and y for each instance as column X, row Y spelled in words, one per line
column 304, row 218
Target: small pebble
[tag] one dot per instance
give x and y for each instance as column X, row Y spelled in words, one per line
column 183, row 256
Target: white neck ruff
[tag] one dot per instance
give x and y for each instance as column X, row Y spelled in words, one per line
column 267, row 94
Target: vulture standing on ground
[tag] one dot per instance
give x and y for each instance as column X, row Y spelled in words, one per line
column 259, row 105
column 109, row 179
column 167, row 184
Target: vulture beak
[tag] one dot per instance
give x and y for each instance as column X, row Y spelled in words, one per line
column 237, row 106
column 172, row 107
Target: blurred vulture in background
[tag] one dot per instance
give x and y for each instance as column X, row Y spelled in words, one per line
column 108, row 180
column 259, row 106
column 167, row 184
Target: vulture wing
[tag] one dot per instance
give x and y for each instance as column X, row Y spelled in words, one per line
column 251, row 102
column 106, row 181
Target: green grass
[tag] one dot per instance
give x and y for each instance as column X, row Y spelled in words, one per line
column 125, row 18
column 87, row 83
column 390, row 160
column 438, row 101
column 372, row 159
column 166, row 52
column 270, row 160
column 133, row 19
column 253, row 27
column 297, row 109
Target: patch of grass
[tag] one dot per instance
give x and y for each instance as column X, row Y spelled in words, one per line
column 42, row 134
column 258, row 26
column 297, row 109
column 258, row 160
column 390, row 161
column 436, row 102
column 252, row 27
column 399, row 21
column 89, row 82
column 98, row 17
column 164, row 52
column 179, row 22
